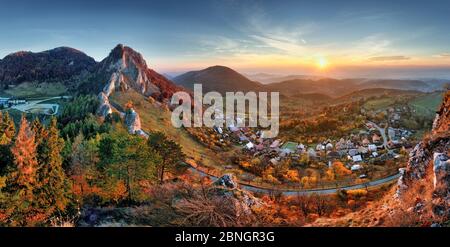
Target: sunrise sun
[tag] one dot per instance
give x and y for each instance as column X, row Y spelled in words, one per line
column 322, row 63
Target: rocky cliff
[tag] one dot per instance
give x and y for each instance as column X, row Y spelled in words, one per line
column 422, row 195
column 430, row 158
column 126, row 69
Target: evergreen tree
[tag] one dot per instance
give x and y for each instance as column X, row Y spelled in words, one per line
column 170, row 152
column 126, row 160
column 39, row 131
column 40, row 134
column 5, row 149
column 7, row 129
column 52, row 180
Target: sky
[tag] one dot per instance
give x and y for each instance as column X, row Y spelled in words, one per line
column 328, row 38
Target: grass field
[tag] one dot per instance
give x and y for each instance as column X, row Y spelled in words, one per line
column 35, row 90
column 156, row 118
column 381, row 103
column 427, row 104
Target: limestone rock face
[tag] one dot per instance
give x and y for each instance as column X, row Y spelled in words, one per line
column 432, row 151
column 441, row 194
column 441, row 171
column 127, row 69
column 227, row 181
column 132, row 121
column 105, row 107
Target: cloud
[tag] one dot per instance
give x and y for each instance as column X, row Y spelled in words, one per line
column 443, row 55
column 284, row 45
column 372, row 45
column 388, row 58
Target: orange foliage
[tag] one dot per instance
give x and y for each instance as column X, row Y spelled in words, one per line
column 292, row 175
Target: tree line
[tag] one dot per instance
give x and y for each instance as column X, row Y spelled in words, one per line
column 43, row 175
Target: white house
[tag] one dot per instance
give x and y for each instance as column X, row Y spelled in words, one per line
column 357, row 158
column 329, row 146
column 320, row 147
column 356, row 167
column 353, row 152
column 372, row 147
column 249, row 145
column 275, row 144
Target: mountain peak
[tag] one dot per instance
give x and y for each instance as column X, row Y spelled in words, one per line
column 217, row 78
column 126, row 55
column 58, row 64
column 125, row 68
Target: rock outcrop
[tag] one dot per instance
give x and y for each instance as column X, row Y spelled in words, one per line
column 441, row 194
column 227, row 188
column 133, row 123
column 125, row 68
column 105, row 107
column 227, row 181
column 433, row 150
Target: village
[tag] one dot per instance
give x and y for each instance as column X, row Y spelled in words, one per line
column 358, row 152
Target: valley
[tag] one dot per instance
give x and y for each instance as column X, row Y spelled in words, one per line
column 343, row 146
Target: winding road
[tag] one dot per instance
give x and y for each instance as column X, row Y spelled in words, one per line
column 383, row 134
column 288, row 192
column 327, row 191
column 37, row 104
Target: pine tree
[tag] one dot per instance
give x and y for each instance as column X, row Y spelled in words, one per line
column 40, row 134
column 52, row 180
column 170, row 152
column 5, row 147
column 7, row 129
column 39, row 131
column 21, row 179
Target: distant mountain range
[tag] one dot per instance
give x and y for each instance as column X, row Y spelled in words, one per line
column 224, row 79
column 266, row 78
column 123, row 68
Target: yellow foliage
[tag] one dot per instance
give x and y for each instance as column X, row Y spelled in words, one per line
column 357, row 192
column 292, row 175
column 340, row 169
column 245, row 164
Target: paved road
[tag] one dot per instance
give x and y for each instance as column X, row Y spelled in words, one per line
column 383, row 134
column 37, row 104
column 288, row 192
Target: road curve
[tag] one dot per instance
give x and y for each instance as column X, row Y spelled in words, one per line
column 383, row 134
column 288, row 192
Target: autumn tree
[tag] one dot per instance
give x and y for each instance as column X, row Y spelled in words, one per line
column 7, row 129
column 169, row 151
column 304, row 203
column 52, row 181
column 126, row 160
column 319, row 204
column 337, row 171
column 7, row 132
column 83, row 159
column 40, row 134
column 21, row 182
